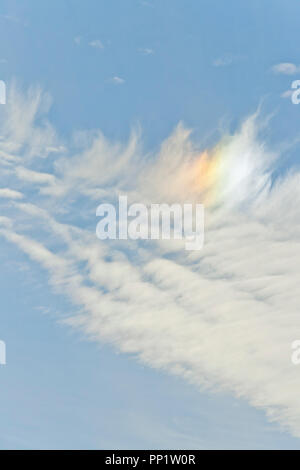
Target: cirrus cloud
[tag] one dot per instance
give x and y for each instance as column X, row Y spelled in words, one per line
column 222, row 318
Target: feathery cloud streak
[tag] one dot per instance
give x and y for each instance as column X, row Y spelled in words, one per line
column 222, row 318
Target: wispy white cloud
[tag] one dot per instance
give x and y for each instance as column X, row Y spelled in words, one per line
column 13, row 19
column 286, row 68
column 222, row 318
column 96, row 43
column 34, row 176
column 25, row 128
column 5, row 222
column 226, row 60
column 146, row 51
column 8, row 193
column 287, row 94
column 117, row 80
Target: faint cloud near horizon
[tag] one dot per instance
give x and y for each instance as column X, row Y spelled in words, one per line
column 77, row 40
column 144, row 3
column 10, row 18
column 146, row 51
column 227, row 59
column 96, row 43
column 117, row 80
column 13, row 19
column 286, row 68
column 287, row 94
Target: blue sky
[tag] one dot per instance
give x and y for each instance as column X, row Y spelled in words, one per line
column 116, row 66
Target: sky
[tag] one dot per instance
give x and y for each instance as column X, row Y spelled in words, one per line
column 143, row 345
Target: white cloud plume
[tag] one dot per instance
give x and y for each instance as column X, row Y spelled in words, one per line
column 24, row 127
column 222, row 318
column 34, row 177
column 8, row 193
column 286, row 68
